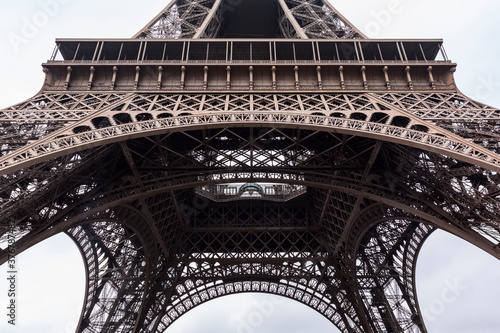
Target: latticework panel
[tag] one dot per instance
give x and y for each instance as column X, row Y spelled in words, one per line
column 349, row 110
column 454, row 112
column 47, row 113
column 205, row 19
column 385, row 269
column 369, row 119
column 320, row 20
column 181, row 19
column 116, row 269
column 344, row 175
column 143, row 157
column 334, row 247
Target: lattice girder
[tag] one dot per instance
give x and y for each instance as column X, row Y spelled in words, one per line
column 126, row 137
column 204, row 19
column 488, row 192
column 396, row 125
column 385, row 266
column 456, row 113
column 116, row 264
column 180, row 19
column 401, row 188
column 300, row 279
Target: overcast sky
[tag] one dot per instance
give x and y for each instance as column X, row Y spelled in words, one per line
column 457, row 283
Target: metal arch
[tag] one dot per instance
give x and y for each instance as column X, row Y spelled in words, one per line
column 49, row 112
column 115, row 269
column 356, row 103
column 306, row 290
column 398, row 238
column 428, row 213
column 453, row 112
column 58, row 145
column 315, row 302
column 121, row 195
column 343, row 185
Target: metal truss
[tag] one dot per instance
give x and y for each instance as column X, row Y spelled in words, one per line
column 183, row 19
column 386, row 273
column 310, row 246
column 116, row 276
column 359, row 113
column 203, row 19
column 454, row 112
column 318, row 19
column 319, row 183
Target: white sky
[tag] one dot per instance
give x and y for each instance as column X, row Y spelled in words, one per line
column 51, row 274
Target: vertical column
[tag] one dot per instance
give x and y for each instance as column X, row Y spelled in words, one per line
column 342, row 81
column 160, row 77
column 113, row 79
column 91, row 77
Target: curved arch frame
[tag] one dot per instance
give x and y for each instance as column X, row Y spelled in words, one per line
column 401, row 257
column 214, row 291
column 430, row 214
column 358, row 189
column 59, row 144
column 84, row 236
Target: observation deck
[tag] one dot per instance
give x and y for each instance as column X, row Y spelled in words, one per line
column 248, row 64
column 251, row 191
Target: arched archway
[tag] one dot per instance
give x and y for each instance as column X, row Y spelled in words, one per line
column 334, row 197
column 252, row 313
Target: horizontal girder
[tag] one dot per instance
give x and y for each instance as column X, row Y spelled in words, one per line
column 64, row 143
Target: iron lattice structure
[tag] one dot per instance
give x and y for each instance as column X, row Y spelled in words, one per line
column 208, row 156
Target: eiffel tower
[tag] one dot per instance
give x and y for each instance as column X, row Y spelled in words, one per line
column 238, row 146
